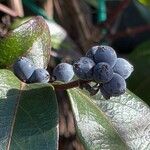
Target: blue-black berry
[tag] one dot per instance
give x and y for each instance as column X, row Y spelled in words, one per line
column 63, row 72
column 103, row 53
column 23, row 68
column 123, row 68
column 83, row 68
column 91, row 52
column 102, row 72
column 39, row 76
column 116, row 86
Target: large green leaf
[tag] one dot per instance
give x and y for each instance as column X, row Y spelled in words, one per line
column 139, row 82
column 31, row 38
column 28, row 115
column 145, row 2
column 93, row 128
column 117, row 124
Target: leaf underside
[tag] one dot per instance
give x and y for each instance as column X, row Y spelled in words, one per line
column 119, row 123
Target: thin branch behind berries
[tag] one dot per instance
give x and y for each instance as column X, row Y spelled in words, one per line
column 70, row 85
column 130, row 32
column 8, row 11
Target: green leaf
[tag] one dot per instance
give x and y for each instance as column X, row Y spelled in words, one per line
column 119, row 123
column 139, row 82
column 28, row 115
column 18, row 22
column 145, row 2
column 93, row 128
column 31, row 38
column 144, row 11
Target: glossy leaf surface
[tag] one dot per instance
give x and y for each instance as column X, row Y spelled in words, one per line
column 28, row 115
column 32, row 39
column 119, row 123
column 93, row 128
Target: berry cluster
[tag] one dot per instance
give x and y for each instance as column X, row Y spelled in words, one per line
column 25, row 70
column 100, row 65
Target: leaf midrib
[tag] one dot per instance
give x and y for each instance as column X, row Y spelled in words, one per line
column 22, row 85
column 123, row 141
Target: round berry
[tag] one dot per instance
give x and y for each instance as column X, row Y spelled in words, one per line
column 91, row 52
column 83, row 68
column 116, row 86
column 103, row 53
column 39, row 75
column 123, row 68
column 23, row 68
column 63, row 72
column 102, row 72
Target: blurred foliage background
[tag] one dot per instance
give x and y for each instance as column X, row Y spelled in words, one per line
column 76, row 25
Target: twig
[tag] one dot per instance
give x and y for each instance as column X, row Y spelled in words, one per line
column 58, row 9
column 129, row 32
column 8, row 11
column 81, row 19
column 78, row 25
column 17, row 6
column 96, row 35
column 70, row 84
column 48, row 7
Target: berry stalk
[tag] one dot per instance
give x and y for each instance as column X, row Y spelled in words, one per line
column 69, row 85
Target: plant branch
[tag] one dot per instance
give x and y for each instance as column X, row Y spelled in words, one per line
column 129, row 32
column 58, row 10
column 17, row 6
column 96, row 35
column 8, row 11
column 70, row 85
column 78, row 25
column 48, row 7
column 81, row 19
